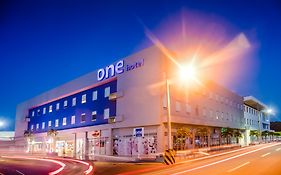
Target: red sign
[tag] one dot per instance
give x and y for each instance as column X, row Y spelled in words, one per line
column 96, row 134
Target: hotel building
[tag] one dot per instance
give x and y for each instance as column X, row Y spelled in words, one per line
column 121, row 110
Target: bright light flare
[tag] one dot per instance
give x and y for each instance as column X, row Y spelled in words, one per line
column 2, row 123
column 187, row 72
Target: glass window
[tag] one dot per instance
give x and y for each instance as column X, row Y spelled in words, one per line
column 106, row 113
column 50, row 123
column 57, row 123
column 178, row 106
column 32, row 127
column 44, row 110
column 95, row 95
column 58, row 106
column 84, row 98
column 43, row 125
column 74, row 101
column 73, row 119
column 64, row 121
column 94, row 115
column 33, row 113
column 38, row 112
column 50, row 108
column 188, row 108
column 37, row 126
column 107, row 92
column 65, row 104
column 204, row 112
column 83, row 118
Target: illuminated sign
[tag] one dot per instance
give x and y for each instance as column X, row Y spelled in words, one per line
column 138, row 132
column 118, row 68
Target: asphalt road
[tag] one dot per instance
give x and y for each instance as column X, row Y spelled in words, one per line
column 262, row 159
column 36, row 166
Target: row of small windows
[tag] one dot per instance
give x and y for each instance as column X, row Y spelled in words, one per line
column 73, row 120
column 65, row 103
column 251, row 122
column 225, row 100
column 251, row 110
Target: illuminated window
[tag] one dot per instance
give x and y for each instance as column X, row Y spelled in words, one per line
column 74, row 101
column 107, row 92
column 57, row 123
column 73, row 119
column 94, row 115
column 106, row 113
column 38, row 112
column 43, row 125
column 83, row 118
column 64, row 121
column 58, row 106
column 95, row 95
column 65, row 104
column 84, row 98
column 50, row 108
column 33, row 113
column 50, row 123
column 44, row 110
column 32, row 127
column 37, row 126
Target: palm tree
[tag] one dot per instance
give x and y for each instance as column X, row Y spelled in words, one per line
column 202, row 133
column 181, row 135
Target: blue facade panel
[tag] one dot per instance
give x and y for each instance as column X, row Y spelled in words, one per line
column 88, row 107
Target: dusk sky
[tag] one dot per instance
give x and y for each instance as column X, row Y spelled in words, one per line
column 44, row 44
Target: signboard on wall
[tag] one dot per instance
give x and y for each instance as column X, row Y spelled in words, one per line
column 96, row 134
column 138, row 132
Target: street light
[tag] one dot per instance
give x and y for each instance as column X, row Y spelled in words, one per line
column 185, row 73
column 2, row 123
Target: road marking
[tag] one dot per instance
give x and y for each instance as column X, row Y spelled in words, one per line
column 224, row 160
column 278, row 149
column 200, row 152
column 265, row 155
column 19, row 172
column 233, row 169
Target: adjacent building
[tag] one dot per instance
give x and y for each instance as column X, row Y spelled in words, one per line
column 121, row 110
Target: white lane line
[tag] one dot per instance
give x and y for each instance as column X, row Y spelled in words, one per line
column 19, row 172
column 278, row 149
column 220, row 161
column 265, row 155
column 233, row 169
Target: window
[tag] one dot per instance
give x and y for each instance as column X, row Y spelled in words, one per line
column 50, row 108
column 188, row 109
column 58, row 106
column 64, row 121
column 74, row 101
column 44, row 110
column 33, row 113
column 217, row 115
column 37, row 126
column 73, row 119
column 57, row 123
column 43, row 125
column 204, row 112
column 32, row 127
column 83, row 118
column 94, row 115
column 106, row 113
column 50, row 123
column 95, row 95
column 197, row 110
column 211, row 113
column 178, row 106
column 65, row 104
column 38, row 112
column 84, row 98
column 107, row 92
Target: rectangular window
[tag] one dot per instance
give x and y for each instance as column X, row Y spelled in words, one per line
column 204, row 112
column 43, row 125
column 57, row 123
column 74, row 101
column 94, row 115
column 50, row 108
column 37, row 126
column 84, row 98
column 95, row 95
column 44, row 110
column 106, row 92
column 38, row 112
column 49, row 123
column 106, row 113
column 32, row 127
column 178, row 106
column 33, row 113
column 73, row 119
column 58, row 106
column 83, row 118
column 65, row 104
column 188, row 108
column 64, row 121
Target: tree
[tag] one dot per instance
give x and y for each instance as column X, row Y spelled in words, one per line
column 52, row 133
column 227, row 133
column 28, row 135
column 181, row 135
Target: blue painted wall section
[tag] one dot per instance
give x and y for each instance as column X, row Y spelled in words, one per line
column 91, row 105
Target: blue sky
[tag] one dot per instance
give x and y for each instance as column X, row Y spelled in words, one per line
column 44, row 44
